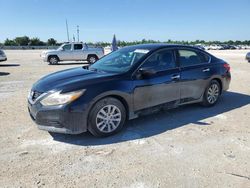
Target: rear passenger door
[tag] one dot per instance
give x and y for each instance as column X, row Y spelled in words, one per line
column 78, row 52
column 195, row 73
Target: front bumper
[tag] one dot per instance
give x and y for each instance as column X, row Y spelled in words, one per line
column 60, row 119
column 3, row 58
column 44, row 57
column 248, row 58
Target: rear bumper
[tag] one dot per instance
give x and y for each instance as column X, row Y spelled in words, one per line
column 226, row 80
column 60, row 119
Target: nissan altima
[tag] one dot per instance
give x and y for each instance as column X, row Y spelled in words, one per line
column 124, row 85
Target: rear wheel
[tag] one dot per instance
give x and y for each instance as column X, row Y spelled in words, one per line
column 212, row 93
column 107, row 117
column 92, row 59
column 53, row 60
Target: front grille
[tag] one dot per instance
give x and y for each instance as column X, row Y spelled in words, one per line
column 35, row 95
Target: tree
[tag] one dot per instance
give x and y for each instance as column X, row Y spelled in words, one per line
column 22, row 41
column 36, row 42
column 51, row 42
column 8, row 42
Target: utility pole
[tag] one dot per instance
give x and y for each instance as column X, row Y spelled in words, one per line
column 78, row 33
column 67, row 28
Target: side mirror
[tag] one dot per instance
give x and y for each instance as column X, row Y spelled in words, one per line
column 61, row 49
column 147, row 72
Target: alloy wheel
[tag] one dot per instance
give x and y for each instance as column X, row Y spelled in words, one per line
column 213, row 93
column 53, row 60
column 108, row 118
column 92, row 60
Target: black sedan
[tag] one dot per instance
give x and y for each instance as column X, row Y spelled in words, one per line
column 125, row 84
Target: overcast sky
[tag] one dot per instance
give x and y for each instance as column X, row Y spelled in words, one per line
column 128, row 19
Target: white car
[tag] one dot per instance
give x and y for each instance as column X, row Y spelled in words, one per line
column 248, row 57
column 3, row 56
column 73, row 52
column 215, row 47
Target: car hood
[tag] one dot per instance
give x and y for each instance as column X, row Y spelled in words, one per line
column 70, row 79
column 49, row 51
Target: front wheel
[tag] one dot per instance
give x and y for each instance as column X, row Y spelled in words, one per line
column 107, row 117
column 53, row 60
column 212, row 93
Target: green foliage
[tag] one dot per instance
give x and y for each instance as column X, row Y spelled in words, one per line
column 8, row 42
column 144, row 41
column 36, row 42
column 51, row 42
column 22, row 41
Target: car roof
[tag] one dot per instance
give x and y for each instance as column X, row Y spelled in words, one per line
column 155, row 46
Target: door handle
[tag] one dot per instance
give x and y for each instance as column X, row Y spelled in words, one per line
column 206, row 70
column 175, row 77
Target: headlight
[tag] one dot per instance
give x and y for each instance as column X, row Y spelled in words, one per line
column 59, row 98
column 43, row 53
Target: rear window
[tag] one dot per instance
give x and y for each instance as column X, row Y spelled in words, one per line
column 160, row 61
column 78, row 46
column 204, row 57
column 189, row 58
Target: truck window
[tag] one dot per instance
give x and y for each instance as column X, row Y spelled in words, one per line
column 67, row 47
column 78, row 46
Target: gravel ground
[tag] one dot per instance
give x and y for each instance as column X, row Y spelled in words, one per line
column 190, row 146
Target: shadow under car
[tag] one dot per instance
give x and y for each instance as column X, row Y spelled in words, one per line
column 155, row 124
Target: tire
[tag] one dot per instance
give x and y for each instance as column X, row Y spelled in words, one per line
column 212, row 94
column 100, row 122
column 53, row 60
column 92, row 59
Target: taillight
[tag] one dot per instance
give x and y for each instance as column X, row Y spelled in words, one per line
column 227, row 67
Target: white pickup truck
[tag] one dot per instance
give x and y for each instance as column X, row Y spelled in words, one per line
column 73, row 52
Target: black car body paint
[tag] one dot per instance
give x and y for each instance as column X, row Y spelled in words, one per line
column 165, row 89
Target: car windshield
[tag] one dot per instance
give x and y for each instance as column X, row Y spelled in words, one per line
column 120, row 61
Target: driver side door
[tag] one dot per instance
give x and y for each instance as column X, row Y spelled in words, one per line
column 66, row 54
column 161, row 87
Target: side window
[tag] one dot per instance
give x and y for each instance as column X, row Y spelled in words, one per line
column 160, row 61
column 204, row 57
column 78, row 46
column 189, row 58
column 67, row 47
